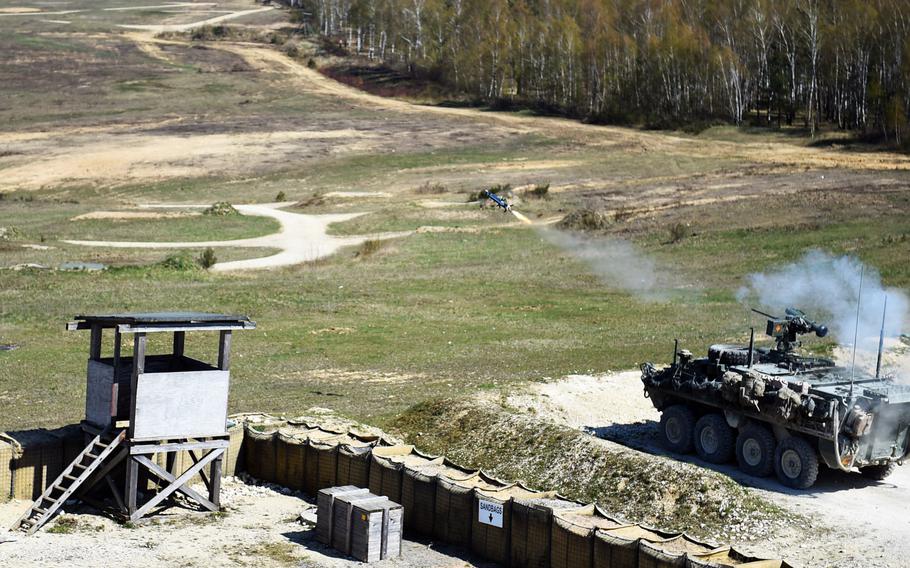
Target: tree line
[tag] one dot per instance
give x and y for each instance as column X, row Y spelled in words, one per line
column 662, row 62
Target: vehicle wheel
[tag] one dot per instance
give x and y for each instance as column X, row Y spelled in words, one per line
column 755, row 450
column 796, row 463
column 729, row 354
column 676, row 425
column 714, row 441
column 878, row 472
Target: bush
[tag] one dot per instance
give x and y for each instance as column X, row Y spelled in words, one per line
column 586, row 220
column 221, row 209
column 678, row 232
column 281, row 197
column 290, row 49
column 428, row 187
column 207, row 259
column 179, row 262
column 311, row 63
column 369, row 248
column 540, row 191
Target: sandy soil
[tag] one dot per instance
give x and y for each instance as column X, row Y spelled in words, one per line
column 192, row 25
column 854, row 523
column 132, row 215
column 263, row 526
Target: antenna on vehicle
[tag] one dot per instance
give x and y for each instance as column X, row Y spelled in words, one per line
column 859, row 301
column 751, row 345
column 881, row 341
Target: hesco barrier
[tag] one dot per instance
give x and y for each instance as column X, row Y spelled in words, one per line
column 491, row 533
column 441, row 499
column 532, row 520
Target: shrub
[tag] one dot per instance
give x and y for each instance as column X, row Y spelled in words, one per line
column 540, row 191
column 678, row 232
column 290, row 49
column 311, row 63
column 281, row 196
column 179, row 262
column 207, row 259
column 586, row 220
column 221, row 209
column 428, row 187
column 369, row 248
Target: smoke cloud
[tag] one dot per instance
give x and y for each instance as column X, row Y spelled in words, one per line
column 826, row 287
column 617, row 263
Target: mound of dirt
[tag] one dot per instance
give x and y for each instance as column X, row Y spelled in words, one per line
column 481, row 433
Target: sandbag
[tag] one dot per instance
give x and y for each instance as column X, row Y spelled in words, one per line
column 618, row 548
column 455, row 504
column 354, row 463
column 40, row 462
column 418, row 493
column 669, row 553
column 488, row 540
column 531, row 526
column 386, row 470
column 260, row 446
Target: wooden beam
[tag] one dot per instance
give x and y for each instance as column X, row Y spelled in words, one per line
column 215, row 485
column 152, row 328
column 177, row 447
column 118, row 343
column 179, row 342
column 139, row 344
column 202, row 474
column 105, row 469
column 132, row 486
column 167, row 476
column 224, row 351
column 177, row 484
column 115, row 493
column 94, row 348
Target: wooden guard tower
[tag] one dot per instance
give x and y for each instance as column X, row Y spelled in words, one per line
column 147, row 404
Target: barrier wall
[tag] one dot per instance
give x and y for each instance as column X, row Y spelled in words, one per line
column 441, row 499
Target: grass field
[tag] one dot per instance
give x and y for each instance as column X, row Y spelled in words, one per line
column 488, row 304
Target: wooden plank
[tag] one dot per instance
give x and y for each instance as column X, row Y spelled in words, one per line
column 179, row 343
column 118, row 345
column 151, row 328
column 178, row 447
column 224, row 351
column 99, row 393
column 164, row 475
column 190, row 404
column 110, row 465
column 177, row 484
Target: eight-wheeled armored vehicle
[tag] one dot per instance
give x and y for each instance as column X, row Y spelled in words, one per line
column 775, row 410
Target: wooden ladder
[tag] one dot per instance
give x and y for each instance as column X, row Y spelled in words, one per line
column 75, row 474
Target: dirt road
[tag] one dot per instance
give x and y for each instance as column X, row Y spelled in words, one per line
column 859, row 523
column 302, row 238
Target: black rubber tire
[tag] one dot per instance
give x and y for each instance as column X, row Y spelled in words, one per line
column 796, row 463
column 714, row 439
column 878, row 472
column 755, row 447
column 677, row 425
column 729, row 354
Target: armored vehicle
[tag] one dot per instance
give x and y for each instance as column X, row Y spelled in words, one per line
column 775, row 410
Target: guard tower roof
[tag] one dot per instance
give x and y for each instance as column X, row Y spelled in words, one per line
column 162, row 321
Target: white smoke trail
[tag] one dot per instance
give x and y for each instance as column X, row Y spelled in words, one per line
column 826, row 287
column 617, row 263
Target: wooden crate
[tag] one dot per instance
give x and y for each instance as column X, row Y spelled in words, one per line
column 376, row 530
column 325, row 501
column 343, row 508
